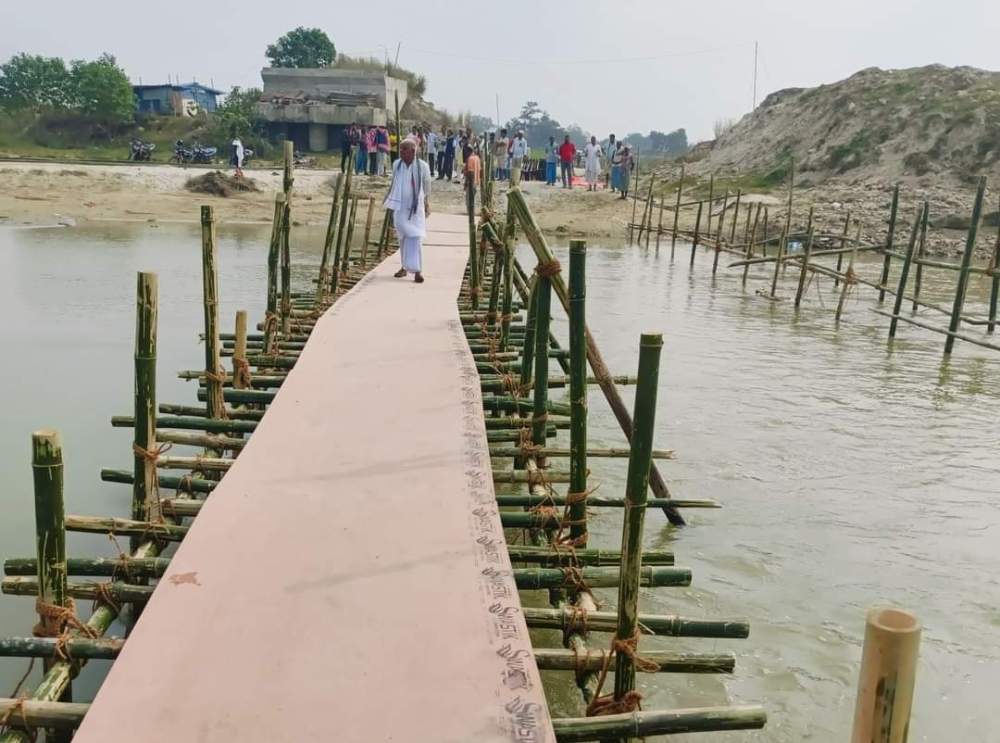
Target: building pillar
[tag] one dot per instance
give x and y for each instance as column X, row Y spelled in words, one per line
column 317, row 138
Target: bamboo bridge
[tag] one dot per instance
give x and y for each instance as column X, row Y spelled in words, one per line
column 359, row 440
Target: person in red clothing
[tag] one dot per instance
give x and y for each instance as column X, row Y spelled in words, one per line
column 567, row 152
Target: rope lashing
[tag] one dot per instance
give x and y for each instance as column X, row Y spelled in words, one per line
column 548, row 269
column 631, row 700
column 55, row 619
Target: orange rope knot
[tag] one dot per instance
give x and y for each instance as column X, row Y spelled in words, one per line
column 55, row 619
column 548, row 269
column 16, row 709
column 850, row 277
column 506, row 317
column 104, row 597
column 218, row 376
column 241, row 372
column 151, row 455
column 574, row 498
column 608, row 705
column 542, row 418
column 573, row 578
column 630, row 700
column 536, row 477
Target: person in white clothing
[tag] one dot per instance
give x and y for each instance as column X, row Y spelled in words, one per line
column 432, row 140
column 592, row 162
column 408, row 192
column 519, row 151
column 236, row 158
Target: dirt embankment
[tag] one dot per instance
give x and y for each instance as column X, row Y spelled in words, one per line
column 31, row 193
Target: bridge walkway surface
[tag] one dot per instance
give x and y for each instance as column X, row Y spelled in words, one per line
column 347, row 580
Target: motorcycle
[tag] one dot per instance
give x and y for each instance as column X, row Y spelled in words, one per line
column 196, row 153
column 140, row 151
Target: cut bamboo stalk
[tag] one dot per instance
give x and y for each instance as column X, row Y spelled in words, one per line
column 341, row 228
column 49, row 647
column 994, row 284
column 963, row 275
column 736, row 216
column 544, row 255
column 203, row 464
column 599, row 501
column 904, row 274
column 548, row 557
column 190, row 423
column 722, row 219
column 549, row 451
column 578, row 388
column 194, row 411
column 90, row 591
column 887, row 262
column 637, row 486
column 206, row 441
column 349, row 238
column 186, row 484
column 273, row 256
column 558, row 659
column 210, row 288
column 126, row 527
column 662, row 625
column 646, row 724
column 521, row 476
column 543, row 301
column 888, row 675
column 145, row 497
column 124, row 566
column 750, row 241
column 474, row 279
column 240, row 351
column 285, row 257
column 33, row 715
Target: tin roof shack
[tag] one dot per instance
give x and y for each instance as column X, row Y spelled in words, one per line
column 313, row 107
column 186, row 99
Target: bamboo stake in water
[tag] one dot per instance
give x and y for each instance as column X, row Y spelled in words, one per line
column 635, row 197
column 750, row 241
column 918, row 278
column 145, row 503
column 273, row 251
column 578, row 389
column 840, row 256
column 887, row 263
column 963, row 272
column 995, row 283
column 677, row 212
column 805, row 268
column 331, row 231
column 286, row 269
column 782, row 246
column 637, row 486
column 697, row 226
column 904, row 274
column 210, row 290
column 288, row 175
column 736, row 216
column 850, row 278
column 722, row 218
column 648, row 220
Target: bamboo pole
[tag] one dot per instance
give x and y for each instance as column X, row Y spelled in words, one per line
column 145, row 496
column 274, row 249
column 286, row 269
column 659, row 226
column 843, row 243
column 849, row 281
column 190, row 423
column 537, row 555
column 550, row 499
column 240, row 377
column 578, row 389
column 540, row 579
column 722, row 220
column 994, row 284
column 645, row 724
column 149, row 567
column 341, row 228
column 543, row 308
column 597, row 364
column 697, row 226
column 904, row 274
column 805, row 269
column 549, row 451
column 331, row 230
column 509, row 234
column 369, row 217
column 963, row 274
column 470, row 207
column 528, row 347
column 736, row 216
column 288, row 174
column 791, row 195
column 210, row 288
column 887, row 262
column 58, row 717
column 888, row 675
column 711, row 195
column 648, row 219
column 345, row 265
column 49, row 647
column 495, row 284
column 637, row 485
column 750, row 242
column 763, row 244
column 677, row 212
column 782, row 246
column 662, row 625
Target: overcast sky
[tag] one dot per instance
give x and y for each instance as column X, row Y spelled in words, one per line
column 607, row 65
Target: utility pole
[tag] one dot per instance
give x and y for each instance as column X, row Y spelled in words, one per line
column 754, row 76
column 498, row 112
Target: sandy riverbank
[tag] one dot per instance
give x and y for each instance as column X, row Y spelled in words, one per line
column 50, row 193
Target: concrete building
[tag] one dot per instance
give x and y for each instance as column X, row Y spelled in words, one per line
column 313, row 107
column 186, row 99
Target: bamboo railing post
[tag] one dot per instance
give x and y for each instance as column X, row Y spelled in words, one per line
column 368, row 230
column 659, row 225
column 331, row 230
column 903, row 275
column 597, row 364
column 341, row 228
column 528, row 349
column 677, row 212
column 288, row 174
column 273, row 252
column 578, row 390
column 963, row 271
column 843, row 244
column 736, row 216
column 470, row 204
column 145, row 501
column 509, row 233
column 888, row 675
column 635, row 199
column 345, row 264
column 697, row 227
column 383, row 240
column 286, row 269
column 782, row 246
column 887, row 262
column 849, row 281
column 746, row 227
column 543, row 311
column 750, row 241
column 214, row 372
column 995, row 283
column 722, row 218
column 50, row 529
column 763, row 244
column 918, row 278
column 791, row 196
column 495, row 278
column 240, row 365
column 711, row 196
column 805, row 269
column 649, row 210
column 637, row 485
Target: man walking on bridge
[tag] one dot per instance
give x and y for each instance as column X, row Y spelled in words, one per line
column 411, row 184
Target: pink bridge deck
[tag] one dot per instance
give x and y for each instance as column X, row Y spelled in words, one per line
column 348, row 580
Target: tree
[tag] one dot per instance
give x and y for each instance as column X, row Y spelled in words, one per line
column 302, row 47
column 674, row 143
column 28, row 81
column 101, row 90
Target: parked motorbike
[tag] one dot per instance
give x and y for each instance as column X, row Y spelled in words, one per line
column 196, row 153
column 140, row 151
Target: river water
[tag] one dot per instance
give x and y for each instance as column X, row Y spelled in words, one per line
column 852, row 475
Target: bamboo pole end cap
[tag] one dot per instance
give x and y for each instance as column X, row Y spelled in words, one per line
column 651, row 340
column 896, row 621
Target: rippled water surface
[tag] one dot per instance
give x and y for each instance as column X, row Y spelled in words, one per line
column 852, row 475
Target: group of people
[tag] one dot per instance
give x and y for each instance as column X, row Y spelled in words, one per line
column 372, row 146
column 613, row 160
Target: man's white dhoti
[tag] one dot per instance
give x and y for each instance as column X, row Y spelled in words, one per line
column 407, row 199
